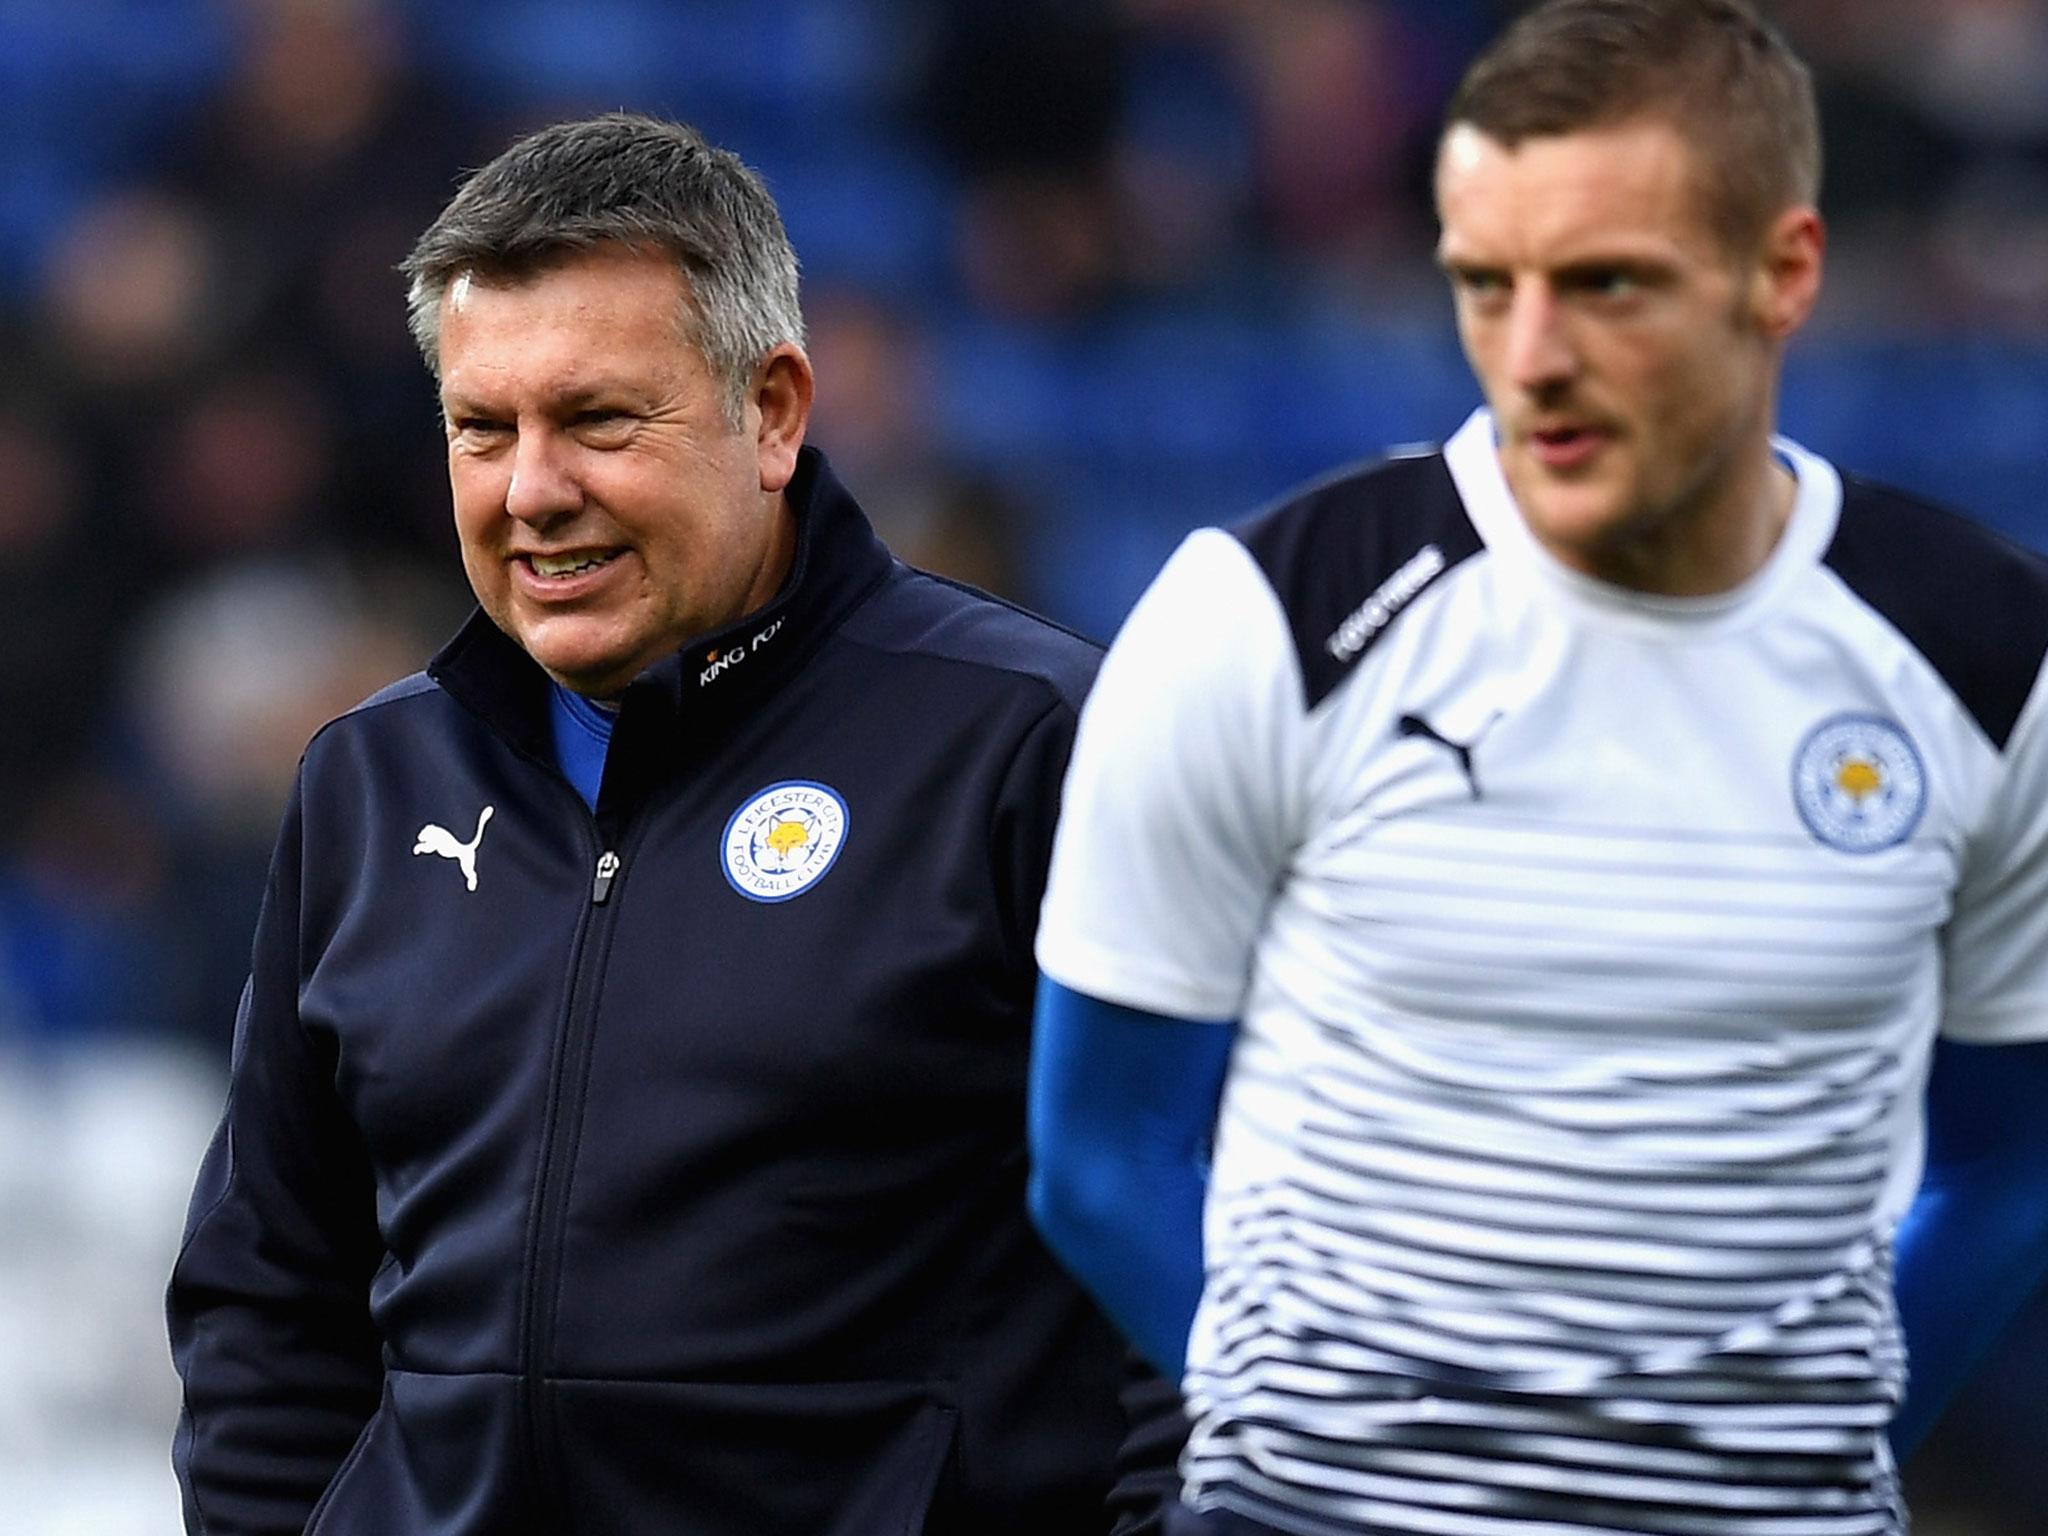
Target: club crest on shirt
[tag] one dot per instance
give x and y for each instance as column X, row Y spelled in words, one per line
column 1858, row 783
column 783, row 840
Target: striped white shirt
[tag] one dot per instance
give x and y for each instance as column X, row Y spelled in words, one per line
column 1588, row 949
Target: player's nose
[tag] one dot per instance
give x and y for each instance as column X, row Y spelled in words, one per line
column 541, row 486
column 1538, row 352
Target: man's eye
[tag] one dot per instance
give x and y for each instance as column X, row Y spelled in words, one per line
column 1614, row 284
column 474, row 426
column 1485, row 290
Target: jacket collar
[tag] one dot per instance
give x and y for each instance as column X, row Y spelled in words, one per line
column 713, row 678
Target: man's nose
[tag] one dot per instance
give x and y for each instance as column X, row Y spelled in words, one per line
column 542, row 486
column 1540, row 354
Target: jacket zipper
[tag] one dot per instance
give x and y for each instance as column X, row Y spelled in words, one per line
column 561, row 1131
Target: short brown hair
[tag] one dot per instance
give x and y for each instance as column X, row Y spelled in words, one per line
column 1715, row 69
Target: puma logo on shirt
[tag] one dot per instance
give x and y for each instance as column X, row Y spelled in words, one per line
column 437, row 839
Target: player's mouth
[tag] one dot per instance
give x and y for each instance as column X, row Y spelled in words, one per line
column 575, row 563
column 566, row 574
column 1564, row 448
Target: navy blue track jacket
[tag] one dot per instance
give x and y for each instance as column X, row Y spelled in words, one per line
column 629, row 1173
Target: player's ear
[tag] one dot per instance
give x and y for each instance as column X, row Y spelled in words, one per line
column 779, row 410
column 1786, row 284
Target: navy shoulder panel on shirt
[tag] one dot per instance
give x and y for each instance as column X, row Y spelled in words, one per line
column 916, row 612
column 1973, row 603
column 1349, row 553
column 404, row 688
column 391, row 693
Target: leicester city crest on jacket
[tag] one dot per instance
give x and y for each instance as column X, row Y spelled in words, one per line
column 784, row 839
column 1859, row 783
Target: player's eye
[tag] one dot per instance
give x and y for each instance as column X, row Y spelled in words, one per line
column 1611, row 285
column 602, row 422
column 1478, row 285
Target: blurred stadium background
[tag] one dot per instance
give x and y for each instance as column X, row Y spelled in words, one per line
column 1080, row 276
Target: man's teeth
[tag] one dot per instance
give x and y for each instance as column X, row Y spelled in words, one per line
column 566, row 565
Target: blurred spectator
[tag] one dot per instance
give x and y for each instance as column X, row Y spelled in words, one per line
column 1936, row 117
column 1027, row 95
column 315, row 162
column 228, row 680
column 245, row 468
column 323, row 154
column 84, row 938
column 875, row 384
column 967, row 529
column 871, row 415
column 60, row 598
column 135, row 292
column 1342, row 123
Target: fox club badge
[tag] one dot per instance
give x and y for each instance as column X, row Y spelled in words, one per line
column 782, row 841
column 1859, row 783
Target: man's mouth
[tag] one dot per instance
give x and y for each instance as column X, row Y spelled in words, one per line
column 576, row 563
column 1565, row 447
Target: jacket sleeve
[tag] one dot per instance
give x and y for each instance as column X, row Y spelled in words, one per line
column 1021, row 834
column 269, row 1299
column 1145, row 1481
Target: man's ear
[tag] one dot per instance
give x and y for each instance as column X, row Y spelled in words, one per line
column 1787, row 281
column 780, row 410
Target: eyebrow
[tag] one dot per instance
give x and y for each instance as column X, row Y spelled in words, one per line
column 1636, row 263
column 582, row 397
column 604, row 390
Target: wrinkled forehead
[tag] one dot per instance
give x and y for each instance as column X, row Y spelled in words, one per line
column 563, row 329
column 609, row 262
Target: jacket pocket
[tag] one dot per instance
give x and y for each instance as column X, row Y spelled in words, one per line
column 440, row 1457
column 350, row 1462
column 847, row 1458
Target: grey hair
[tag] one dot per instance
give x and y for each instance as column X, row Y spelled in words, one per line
column 623, row 179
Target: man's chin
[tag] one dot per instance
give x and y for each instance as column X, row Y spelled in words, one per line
column 1573, row 521
column 594, row 674
column 604, row 689
column 568, row 646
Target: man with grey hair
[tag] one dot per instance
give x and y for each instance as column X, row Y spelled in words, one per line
column 626, row 1122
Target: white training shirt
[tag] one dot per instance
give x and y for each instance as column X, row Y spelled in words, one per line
column 1588, row 949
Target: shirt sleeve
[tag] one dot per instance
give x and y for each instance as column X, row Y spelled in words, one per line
column 1997, row 941
column 269, row 1313
column 1182, row 797
column 1122, row 1105
column 1974, row 1246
